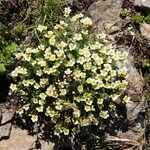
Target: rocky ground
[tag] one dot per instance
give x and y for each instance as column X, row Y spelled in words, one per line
column 105, row 16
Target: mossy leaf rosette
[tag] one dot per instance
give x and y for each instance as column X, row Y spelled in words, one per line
column 71, row 77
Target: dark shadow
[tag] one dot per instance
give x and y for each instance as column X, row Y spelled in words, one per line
column 5, row 82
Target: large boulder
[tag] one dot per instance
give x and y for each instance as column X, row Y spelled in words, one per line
column 143, row 4
column 145, row 30
column 105, row 15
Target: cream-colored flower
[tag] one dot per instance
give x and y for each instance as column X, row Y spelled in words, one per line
column 87, row 66
column 36, row 86
column 39, row 72
column 115, row 96
column 26, row 83
column 52, row 41
column 104, row 114
column 72, row 46
column 86, row 22
column 41, row 28
column 42, row 62
column 100, row 101
column 122, row 71
column 68, row 71
column 49, row 34
column 20, row 111
column 81, row 60
column 67, row 11
column 27, row 57
column 63, row 92
column 34, row 118
column 80, row 88
column 29, row 50
column 26, row 107
column 43, row 96
column 89, row 102
column 14, row 73
column 35, row 50
column 71, row 63
column 104, row 73
column 113, row 73
column 76, row 113
column 85, row 32
column 101, row 35
column 43, row 81
column 19, row 55
column 107, row 67
column 59, row 53
column 62, row 44
column 39, row 109
column 51, row 91
column 59, row 107
column 126, row 99
column 66, row 131
column 13, row 87
column 77, row 37
column 35, row 100
column 87, row 108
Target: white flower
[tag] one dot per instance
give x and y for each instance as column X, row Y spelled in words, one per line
column 39, row 72
column 39, row 109
column 20, row 111
column 26, row 107
column 42, row 96
column 19, row 55
column 13, row 87
column 49, row 34
column 68, row 71
column 104, row 114
column 100, row 101
column 77, row 37
column 41, row 28
column 126, row 99
column 86, row 21
column 87, row 108
column 67, row 11
column 34, row 118
column 72, row 46
column 123, row 71
column 115, row 96
column 14, row 73
column 59, row 107
column 76, row 113
column 52, row 41
column 80, row 88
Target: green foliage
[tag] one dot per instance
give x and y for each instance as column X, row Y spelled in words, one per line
column 123, row 12
column 38, row 12
column 6, row 56
column 147, row 19
column 138, row 18
column 145, row 62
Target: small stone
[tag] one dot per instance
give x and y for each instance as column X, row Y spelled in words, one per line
column 5, row 131
column 7, row 115
column 145, row 30
column 5, row 124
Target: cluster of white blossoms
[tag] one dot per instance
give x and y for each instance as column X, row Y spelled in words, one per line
column 70, row 77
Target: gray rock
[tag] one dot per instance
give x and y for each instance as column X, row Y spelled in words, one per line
column 144, row 4
column 5, row 124
column 105, row 15
column 134, row 78
column 5, row 131
column 145, row 30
